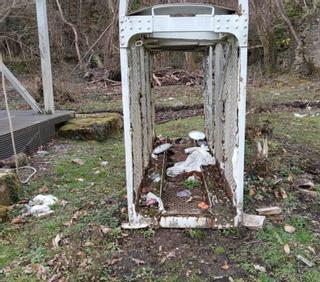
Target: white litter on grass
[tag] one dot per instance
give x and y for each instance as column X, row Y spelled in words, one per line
column 162, row 148
column 299, row 115
column 151, row 196
column 197, row 135
column 194, row 162
column 193, row 149
column 40, row 205
column 47, row 200
column 104, row 163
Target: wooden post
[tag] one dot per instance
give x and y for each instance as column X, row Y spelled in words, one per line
column 44, row 46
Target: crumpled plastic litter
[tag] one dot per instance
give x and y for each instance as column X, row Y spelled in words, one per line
column 40, row 205
column 151, row 198
column 197, row 135
column 155, row 177
column 184, row 194
column 162, row 148
column 47, row 200
column 194, row 162
column 193, row 149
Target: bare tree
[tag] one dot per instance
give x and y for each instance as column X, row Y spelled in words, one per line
column 263, row 17
column 75, row 32
column 302, row 63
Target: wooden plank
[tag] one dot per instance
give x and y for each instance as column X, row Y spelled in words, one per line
column 44, row 46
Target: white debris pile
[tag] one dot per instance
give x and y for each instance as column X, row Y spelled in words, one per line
column 41, row 205
column 160, row 149
column 194, row 162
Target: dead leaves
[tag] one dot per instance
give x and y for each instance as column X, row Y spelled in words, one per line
column 225, row 265
column 289, row 229
column 78, row 161
column 203, row 206
column 286, row 249
column 138, row 261
column 17, row 220
column 75, row 217
column 56, row 240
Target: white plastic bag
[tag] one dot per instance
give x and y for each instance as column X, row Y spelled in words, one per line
column 194, row 162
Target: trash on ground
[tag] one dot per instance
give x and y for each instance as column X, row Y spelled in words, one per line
column 305, row 261
column 290, row 229
column 203, row 206
column 194, row 162
column 184, row 194
column 40, row 210
column 299, row 115
column 269, row 211
column 152, row 197
column 253, row 221
column 259, row 268
column 42, row 153
column 304, row 183
column 155, row 177
column 77, row 161
column 47, row 200
column 104, row 163
column 162, row 148
column 197, row 135
column 40, row 205
column 193, row 149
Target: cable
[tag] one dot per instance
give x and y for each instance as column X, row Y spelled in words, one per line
column 12, row 136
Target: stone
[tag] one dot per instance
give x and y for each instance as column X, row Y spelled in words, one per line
column 97, row 127
column 22, row 160
column 3, row 214
column 9, row 187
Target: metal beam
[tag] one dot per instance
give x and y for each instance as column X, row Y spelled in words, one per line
column 19, row 87
column 44, row 46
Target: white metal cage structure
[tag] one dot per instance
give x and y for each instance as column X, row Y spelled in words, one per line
column 221, row 35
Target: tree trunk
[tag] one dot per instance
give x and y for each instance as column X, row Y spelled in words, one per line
column 302, row 63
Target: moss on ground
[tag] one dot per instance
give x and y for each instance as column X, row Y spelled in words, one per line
column 92, row 127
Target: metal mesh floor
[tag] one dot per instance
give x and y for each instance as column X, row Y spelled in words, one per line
column 30, row 130
column 182, row 206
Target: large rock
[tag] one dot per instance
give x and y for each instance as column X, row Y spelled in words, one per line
column 9, row 187
column 92, row 127
column 3, row 214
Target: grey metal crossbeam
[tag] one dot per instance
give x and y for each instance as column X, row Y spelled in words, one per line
column 20, row 88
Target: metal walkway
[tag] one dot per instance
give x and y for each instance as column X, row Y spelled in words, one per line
column 30, row 130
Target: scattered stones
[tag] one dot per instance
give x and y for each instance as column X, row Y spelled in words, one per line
column 97, row 127
column 269, row 211
column 253, row 221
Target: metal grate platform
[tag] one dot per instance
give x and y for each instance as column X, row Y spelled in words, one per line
column 30, row 130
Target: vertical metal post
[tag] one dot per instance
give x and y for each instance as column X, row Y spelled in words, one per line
column 127, row 129
column 242, row 126
column 44, row 46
